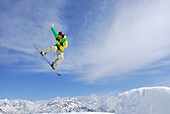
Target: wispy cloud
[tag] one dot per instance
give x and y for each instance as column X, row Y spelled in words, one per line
column 24, row 23
column 136, row 36
column 110, row 39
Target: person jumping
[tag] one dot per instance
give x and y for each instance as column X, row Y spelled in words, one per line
column 58, row 48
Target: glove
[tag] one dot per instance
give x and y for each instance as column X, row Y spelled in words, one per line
column 62, row 44
column 52, row 25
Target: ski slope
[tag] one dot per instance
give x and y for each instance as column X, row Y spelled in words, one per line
column 152, row 100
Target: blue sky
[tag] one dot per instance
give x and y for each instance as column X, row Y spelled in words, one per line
column 113, row 46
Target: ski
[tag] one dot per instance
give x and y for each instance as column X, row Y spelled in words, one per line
column 46, row 60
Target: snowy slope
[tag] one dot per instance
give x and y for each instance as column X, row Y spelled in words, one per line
column 87, row 113
column 152, row 100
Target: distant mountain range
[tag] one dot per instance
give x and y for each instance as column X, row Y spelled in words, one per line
column 147, row 100
column 60, row 105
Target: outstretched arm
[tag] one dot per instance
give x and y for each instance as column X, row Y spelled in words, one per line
column 54, row 32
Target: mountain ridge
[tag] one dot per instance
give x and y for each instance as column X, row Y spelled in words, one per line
column 58, row 105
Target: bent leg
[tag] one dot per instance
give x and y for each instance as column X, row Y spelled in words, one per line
column 59, row 59
column 50, row 49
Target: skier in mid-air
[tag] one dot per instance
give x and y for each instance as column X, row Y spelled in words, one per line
column 58, row 48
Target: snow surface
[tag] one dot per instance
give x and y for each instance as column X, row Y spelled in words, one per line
column 152, row 100
column 87, row 113
column 147, row 100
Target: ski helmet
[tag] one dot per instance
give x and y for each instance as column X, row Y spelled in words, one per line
column 61, row 33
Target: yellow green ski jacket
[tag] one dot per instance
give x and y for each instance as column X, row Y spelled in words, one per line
column 58, row 41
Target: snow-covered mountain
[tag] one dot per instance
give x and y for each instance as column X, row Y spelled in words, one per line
column 152, row 100
column 16, row 106
column 60, row 105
